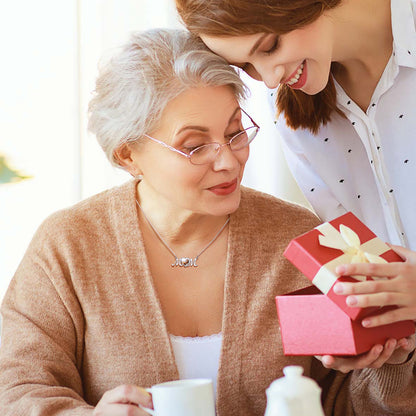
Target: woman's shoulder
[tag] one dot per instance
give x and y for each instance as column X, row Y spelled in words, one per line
column 258, row 200
column 267, row 211
column 92, row 212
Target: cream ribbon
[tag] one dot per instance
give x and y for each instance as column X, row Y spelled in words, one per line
column 349, row 242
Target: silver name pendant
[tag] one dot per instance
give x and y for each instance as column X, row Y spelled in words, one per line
column 185, row 262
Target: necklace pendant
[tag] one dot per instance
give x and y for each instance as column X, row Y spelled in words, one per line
column 184, row 262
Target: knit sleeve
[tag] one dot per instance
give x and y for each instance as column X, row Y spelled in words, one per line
column 386, row 391
column 389, row 390
column 42, row 338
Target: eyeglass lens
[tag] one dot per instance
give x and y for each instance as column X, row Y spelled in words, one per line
column 208, row 153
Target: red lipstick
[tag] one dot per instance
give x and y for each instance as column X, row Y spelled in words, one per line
column 301, row 78
column 225, row 188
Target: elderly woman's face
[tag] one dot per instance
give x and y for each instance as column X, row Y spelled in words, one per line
column 197, row 117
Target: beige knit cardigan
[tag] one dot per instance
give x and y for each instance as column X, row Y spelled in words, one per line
column 81, row 316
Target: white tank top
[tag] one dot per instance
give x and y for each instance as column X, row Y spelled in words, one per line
column 198, row 357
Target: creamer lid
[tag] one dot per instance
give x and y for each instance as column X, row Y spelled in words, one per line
column 294, row 383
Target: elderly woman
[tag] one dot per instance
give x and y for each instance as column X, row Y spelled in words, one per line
column 112, row 291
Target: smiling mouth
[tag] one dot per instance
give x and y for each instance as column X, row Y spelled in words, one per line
column 294, row 78
column 225, row 188
column 224, row 185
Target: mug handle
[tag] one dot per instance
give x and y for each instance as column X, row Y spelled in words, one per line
column 152, row 412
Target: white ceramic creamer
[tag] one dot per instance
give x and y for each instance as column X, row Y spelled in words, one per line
column 294, row 395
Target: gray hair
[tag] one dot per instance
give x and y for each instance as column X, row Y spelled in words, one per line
column 154, row 67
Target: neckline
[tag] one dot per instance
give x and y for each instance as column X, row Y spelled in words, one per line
column 204, row 338
column 124, row 213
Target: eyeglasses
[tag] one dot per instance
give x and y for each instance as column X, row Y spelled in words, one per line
column 207, row 153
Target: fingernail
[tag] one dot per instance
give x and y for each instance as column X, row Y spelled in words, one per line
column 378, row 349
column 338, row 288
column 340, row 270
column 389, row 344
column 351, row 301
column 403, row 343
column 326, row 360
column 366, row 322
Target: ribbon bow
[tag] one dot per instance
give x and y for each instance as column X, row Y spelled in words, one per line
column 348, row 242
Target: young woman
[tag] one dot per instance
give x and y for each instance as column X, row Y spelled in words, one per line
column 342, row 75
column 173, row 274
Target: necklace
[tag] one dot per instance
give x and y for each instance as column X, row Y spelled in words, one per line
column 182, row 261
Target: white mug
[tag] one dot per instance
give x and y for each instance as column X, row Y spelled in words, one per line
column 189, row 397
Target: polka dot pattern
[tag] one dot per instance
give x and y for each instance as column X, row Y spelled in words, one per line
column 364, row 162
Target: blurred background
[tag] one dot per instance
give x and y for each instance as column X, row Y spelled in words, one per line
column 49, row 55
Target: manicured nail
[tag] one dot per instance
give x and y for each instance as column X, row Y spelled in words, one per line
column 340, row 270
column 338, row 288
column 403, row 343
column 378, row 349
column 327, row 360
column 391, row 343
column 366, row 322
column 351, row 301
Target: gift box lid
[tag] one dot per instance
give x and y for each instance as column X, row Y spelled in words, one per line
column 345, row 239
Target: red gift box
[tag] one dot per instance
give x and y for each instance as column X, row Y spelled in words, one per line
column 311, row 324
column 318, row 262
column 304, row 329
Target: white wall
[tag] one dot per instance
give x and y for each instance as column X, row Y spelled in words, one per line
column 38, row 118
column 49, row 54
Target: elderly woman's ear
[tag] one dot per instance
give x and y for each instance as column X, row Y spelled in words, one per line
column 123, row 156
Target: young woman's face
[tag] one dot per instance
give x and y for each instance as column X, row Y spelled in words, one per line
column 301, row 58
column 196, row 117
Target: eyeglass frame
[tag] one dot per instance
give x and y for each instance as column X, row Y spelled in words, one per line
column 188, row 156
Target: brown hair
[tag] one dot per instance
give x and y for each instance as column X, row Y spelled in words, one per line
column 242, row 17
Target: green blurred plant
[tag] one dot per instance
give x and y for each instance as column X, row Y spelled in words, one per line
column 8, row 174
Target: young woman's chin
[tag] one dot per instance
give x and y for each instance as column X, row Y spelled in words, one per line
column 315, row 85
column 312, row 90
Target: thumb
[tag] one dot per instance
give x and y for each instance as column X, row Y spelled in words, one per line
column 404, row 253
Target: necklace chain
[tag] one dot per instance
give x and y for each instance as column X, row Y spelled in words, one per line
column 182, row 261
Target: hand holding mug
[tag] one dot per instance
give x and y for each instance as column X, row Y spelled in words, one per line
column 173, row 398
column 124, row 399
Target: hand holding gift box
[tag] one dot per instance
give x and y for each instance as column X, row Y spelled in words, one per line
column 398, row 289
column 322, row 323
